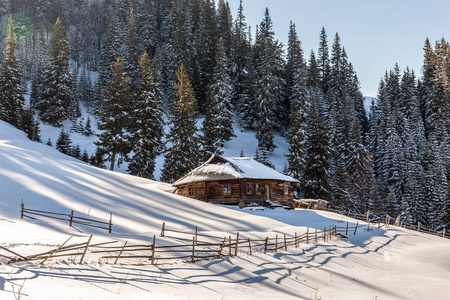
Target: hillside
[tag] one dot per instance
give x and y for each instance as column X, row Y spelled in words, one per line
column 383, row 263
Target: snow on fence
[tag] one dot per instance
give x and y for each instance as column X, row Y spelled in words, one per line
column 192, row 248
column 71, row 218
column 389, row 221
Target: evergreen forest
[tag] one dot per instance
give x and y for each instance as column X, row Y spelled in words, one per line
column 141, row 65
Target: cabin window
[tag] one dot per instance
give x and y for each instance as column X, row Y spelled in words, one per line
column 286, row 188
column 249, row 188
column 257, row 188
column 191, row 191
column 227, row 188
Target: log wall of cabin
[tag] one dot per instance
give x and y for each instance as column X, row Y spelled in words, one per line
column 214, row 191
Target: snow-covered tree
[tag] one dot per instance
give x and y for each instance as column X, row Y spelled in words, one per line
column 115, row 117
column 147, row 123
column 57, row 80
column 11, row 88
column 183, row 144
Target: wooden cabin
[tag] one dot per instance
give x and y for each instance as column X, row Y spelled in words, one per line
column 235, row 180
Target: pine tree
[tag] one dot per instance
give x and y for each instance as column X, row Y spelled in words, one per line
column 57, row 80
column 64, row 143
column 211, row 141
column 147, row 123
column 85, row 156
column 110, row 51
column 299, row 103
column 205, row 44
column 88, row 128
column 114, row 140
column 12, row 99
column 76, row 151
column 147, row 26
column 132, row 53
column 221, row 93
column 315, row 181
column 28, row 124
column 324, row 61
column 97, row 159
column 183, row 153
column 436, row 182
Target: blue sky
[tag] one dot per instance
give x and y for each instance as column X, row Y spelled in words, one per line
column 375, row 34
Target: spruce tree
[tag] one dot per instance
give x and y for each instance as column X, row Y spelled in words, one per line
column 221, row 93
column 132, row 53
column 11, row 90
column 64, row 143
column 114, row 140
column 183, row 153
column 147, row 123
column 299, row 103
column 324, row 61
column 57, row 80
column 315, row 182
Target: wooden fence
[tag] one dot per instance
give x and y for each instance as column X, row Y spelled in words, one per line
column 70, row 218
column 192, row 248
column 387, row 221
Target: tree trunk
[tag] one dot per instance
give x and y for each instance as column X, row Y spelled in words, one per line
column 113, row 160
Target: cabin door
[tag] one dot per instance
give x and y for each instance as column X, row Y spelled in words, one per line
column 267, row 188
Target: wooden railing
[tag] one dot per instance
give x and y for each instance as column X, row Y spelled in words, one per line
column 70, row 218
column 387, row 221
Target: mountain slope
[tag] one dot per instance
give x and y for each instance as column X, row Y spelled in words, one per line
column 386, row 263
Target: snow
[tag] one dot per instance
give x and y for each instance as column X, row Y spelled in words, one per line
column 386, row 263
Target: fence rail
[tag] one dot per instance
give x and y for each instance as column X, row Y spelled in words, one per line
column 70, row 218
column 192, row 251
column 388, row 221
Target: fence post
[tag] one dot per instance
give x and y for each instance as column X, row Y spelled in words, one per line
column 153, row 248
column 335, row 230
column 163, row 229
column 307, row 236
column 265, row 245
column 250, row 246
column 21, row 208
column 295, row 241
column 285, row 243
column 367, row 217
column 368, row 225
column 193, row 249
column 85, row 249
column 120, row 253
column 196, row 237
column 110, row 222
column 221, row 247
column 356, row 228
column 346, row 230
column 229, row 246
column 330, row 232
column 316, row 236
column 324, row 234
column 71, row 218
column 237, row 243
column 443, row 233
column 418, row 227
column 276, row 243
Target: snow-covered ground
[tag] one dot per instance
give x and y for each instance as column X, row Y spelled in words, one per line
column 387, row 263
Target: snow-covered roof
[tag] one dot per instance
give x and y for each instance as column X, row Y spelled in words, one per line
column 227, row 168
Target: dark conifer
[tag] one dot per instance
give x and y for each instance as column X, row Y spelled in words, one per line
column 183, row 153
column 114, row 140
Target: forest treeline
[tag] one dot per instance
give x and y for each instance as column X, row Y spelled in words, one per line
column 134, row 62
